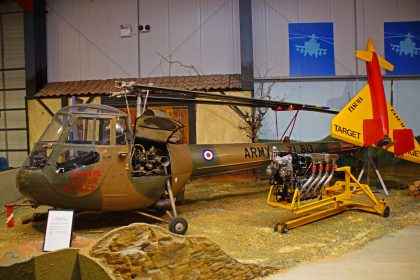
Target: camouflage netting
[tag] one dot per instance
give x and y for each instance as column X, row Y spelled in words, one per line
column 146, row 251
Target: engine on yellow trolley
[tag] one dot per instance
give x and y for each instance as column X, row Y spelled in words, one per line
column 301, row 183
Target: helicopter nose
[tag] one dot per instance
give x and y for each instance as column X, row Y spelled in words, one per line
column 33, row 185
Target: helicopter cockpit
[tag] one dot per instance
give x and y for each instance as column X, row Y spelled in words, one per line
column 76, row 132
column 90, row 147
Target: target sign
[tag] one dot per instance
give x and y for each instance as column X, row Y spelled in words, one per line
column 208, row 155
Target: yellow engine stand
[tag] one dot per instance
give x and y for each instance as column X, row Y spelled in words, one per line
column 339, row 197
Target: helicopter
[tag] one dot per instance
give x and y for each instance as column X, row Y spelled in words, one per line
column 407, row 46
column 90, row 159
column 311, row 47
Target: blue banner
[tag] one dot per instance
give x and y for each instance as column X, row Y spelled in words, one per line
column 311, row 49
column 402, row 46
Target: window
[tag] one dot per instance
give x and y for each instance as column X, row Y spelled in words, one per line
column 54, row 129
column 38, row 158
column 75, row 158
column 87, row 130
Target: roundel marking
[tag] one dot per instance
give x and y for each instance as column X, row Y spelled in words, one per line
column 208, row 155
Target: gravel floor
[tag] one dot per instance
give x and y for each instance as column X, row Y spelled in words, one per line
column 236, row 216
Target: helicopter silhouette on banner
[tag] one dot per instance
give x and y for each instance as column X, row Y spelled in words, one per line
column 311, row 49
column 402, row 46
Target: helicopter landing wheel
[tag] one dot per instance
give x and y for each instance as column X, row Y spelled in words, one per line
column 178, row 225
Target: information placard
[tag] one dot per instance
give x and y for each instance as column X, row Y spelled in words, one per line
column 59, row 229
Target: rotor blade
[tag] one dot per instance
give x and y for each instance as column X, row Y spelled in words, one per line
column 218, row 99
column 276, row 107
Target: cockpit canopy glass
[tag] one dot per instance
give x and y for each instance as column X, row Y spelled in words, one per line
column 91, row 124
column 89, row 130
column 55, row 128
column 91, row 109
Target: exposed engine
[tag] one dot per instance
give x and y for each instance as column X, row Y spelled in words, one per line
column 149, row 162
column 307, row 172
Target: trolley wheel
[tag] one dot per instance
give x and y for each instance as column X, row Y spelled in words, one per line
column 284, row 229
column 386, row 212
column 178, row 225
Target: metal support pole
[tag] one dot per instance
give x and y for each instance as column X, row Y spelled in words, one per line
column 379, row 176
column 362, row 171
column 367, row 165
column 138, row 106
column 171, row 196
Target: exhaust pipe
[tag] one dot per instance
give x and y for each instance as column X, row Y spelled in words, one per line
column 314, row 159
column 309, row 186
column 322, row 181
column 320, row 173
column 333, row 158
column 308, row 182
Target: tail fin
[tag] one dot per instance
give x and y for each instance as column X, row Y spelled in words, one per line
column 353, row 125
column 402, row 136
column 385, row 64
column 367, row 54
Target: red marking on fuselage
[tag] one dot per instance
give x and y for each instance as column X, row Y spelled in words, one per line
column 83, row 181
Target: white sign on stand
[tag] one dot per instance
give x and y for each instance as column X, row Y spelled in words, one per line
column 59, row 230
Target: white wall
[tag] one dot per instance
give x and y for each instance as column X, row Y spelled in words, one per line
column 354, row 21
column 83, row 40
column 189, row 37
column 84, row 43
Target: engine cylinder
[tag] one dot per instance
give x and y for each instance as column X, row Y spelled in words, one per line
column 306, row 172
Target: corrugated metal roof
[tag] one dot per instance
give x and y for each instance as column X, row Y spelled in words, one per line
column 205, row 82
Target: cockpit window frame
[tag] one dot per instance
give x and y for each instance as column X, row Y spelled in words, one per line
column 71, row 114
column 60, row 128
column 94, row 134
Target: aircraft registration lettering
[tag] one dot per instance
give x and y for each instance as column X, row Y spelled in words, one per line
column 306, row 149
column 349, row 132
column 354, row 105
column 303, row 149
column 253, row 152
